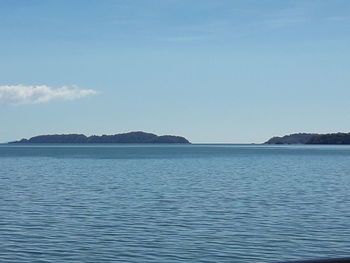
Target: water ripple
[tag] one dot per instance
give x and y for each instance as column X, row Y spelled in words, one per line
column 173, row 204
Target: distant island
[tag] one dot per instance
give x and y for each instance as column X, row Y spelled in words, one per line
column 130, row 137
column 312, row 138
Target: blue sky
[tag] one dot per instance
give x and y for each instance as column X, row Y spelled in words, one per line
column 212, row 71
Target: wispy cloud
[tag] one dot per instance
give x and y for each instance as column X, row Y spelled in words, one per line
column 240, row 22
column 338, row 18
column 21, row 94
column 183, row 38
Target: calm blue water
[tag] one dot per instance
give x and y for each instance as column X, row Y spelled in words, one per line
column 194, row 203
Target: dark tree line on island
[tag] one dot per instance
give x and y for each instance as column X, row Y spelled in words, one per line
column 312, row 138
column 144, row 137
column 130, row 137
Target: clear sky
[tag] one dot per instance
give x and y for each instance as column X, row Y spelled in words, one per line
column 210, row 70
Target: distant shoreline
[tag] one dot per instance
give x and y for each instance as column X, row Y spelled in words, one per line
column 140, row 137
column 312, row 138
column 122, row 138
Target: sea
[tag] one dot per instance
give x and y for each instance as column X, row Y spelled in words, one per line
column 173, row 203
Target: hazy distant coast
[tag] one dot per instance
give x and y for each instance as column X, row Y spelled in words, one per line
column 311, row 138
column 130, row 137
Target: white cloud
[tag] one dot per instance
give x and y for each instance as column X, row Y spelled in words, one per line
column 21, row 94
